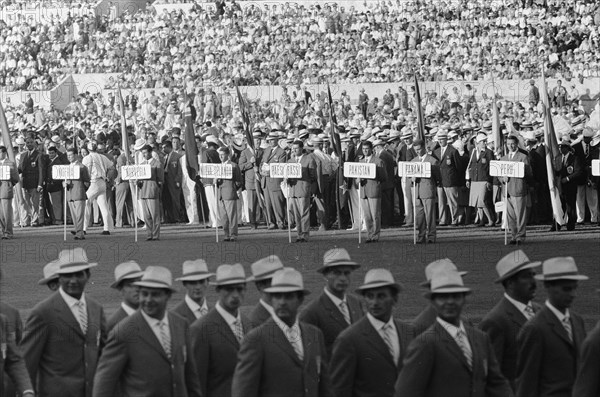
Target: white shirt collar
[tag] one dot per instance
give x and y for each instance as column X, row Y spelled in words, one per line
column 336, row 301
column 561, row 317
column 153, row 322
column 267, row 307
column 128, row 309
column 69, row 300
column 518, row 304
column 194, row 307
column 378, row 324
column 228, row 317
column 451, row 328
column 288, row 331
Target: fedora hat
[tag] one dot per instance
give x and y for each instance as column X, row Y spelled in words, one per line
column 156, row 277
column 513, row 263
column 376, row 278
column 194, row 270
column 436, row 266
column 139, row 144
column 560, row 268
column 126, row 271
column 230, row 274
column 49, row 272
column 263, row 269
column 406, row 134
column 337, row 257
column 73, row 261
column 287, row 280
column 447, row 281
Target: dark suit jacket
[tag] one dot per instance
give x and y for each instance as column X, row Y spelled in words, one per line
column 247, row 167
column 547, row 362
column 50, row 184
column 371, row 188
column 303, row 187
column 116, row 318
column 173, row 172
column 215, row 349
column 449, row 166
column 581, row 179
column 209, row 156
column 323, row 314
column 426, row 188
column 273, row 155
column 503, row 324
column 76, row 188
column 479, row 170
column 519, row 187
column 259, row 315
column 228, row 187
column 31, row 169
column 435, row 366
column 361, row 364
column 588, row 380
column 150, row 188
column 406, row 154
column 11, row 361
column 268, row 366
column 573, row 170
column 13, row 321
column 6, row 187
column 425, row 319
column 184, row 311
column 62, row 360
column 135, row 359
column 389, row 164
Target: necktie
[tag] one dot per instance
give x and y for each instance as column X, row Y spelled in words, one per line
column 587, row 150
column 564, row 160
column 82, row 316
column 388, row 334
column 463, row 343
column 238, row 331
column 567, row 324
column 165, row 338
column 345, row 312
column 529, row 313
column 202, row 312
column 293, row 336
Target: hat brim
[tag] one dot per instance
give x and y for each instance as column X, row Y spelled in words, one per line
column 195, row 277
column 261, row 278
column 275, row 290
column 151, row 284
column 365, row 287
column 76, row 268
column 427, row 284
column 338, row 264
column 45, row 281
column 517, row 270
column 128, row 277
column 228, row 282
column 574, row 277
column 450, row 290
column 137, row 147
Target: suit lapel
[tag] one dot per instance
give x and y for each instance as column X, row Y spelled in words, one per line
column 356, row 312
column 224, row 328
column 63, row 311
column 372, row 337
column 556, row 326
column 148, row 336
column 334, row 312
column 281, row 341
column 451, row 344
column 515, row 314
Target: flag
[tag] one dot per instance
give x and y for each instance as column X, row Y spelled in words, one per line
column 6, row 135
column 191, row 150
column 124, row 138
column 420, row 118
column 335, row 136
column 245, row 120
column 552, row 151
column 496, row 127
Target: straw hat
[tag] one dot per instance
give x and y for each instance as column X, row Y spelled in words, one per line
column 139, row 144
column 287, row 280
column 230, row 274
column 436, row 266
column 126, row 271
column 73, row 261
column 447, row 281
column 560, row 268
column 263, row 269
column 376, row 278
column 49, row 272
column 337, row 257
column 513, row 263
column 156, row 277
column 194, row 270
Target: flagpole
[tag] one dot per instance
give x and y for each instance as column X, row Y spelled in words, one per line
column 414, row 195
column 65, row 213
column 359, row 213
column 288, row 214
column 217, row 214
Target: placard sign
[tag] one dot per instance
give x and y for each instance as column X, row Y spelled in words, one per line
column 360, row 170
column 414, row 169
column 216, row 171
column 596, row 167
column 62, row 172
column 4, row 173
column 142, row 171
column 508, row 169
column 285, row 170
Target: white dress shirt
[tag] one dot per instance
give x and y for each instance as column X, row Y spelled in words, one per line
column 337, row 301
column 194, row 307
column 128, row 309
column 155, row 327
column 562, row 317
column 292, row 334
column 379, row 327
column 519, row 305
column 228, row 317
column 453, row 330
column 73, row 303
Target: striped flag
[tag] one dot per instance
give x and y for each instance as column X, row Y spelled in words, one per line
column 335, row 136
column 191, row 150
column 499, row 149
column 420, row 118
column 124, row 138
column 6, row 135
column 245, row 120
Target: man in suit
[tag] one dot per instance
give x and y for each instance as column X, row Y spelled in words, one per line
column 13, row 333
column 32, row 178
column 12, row 365
column 387, row 186
column 210, row 155
column 451, row 181
column 549, row 343
column 98, row 166
column 504, row 322
column 274, row 199
column 518, row 189
column 425, row 191
column 76, row 196
column 216, row 337
column 407, row 153
column 195, row 281
column 587, row 189
column 123, row 194
column 65, row 333
column 450, row 358
column 149, row 194
column 587, row 382
column 249, row 160
column 367, row 356
column 370, row 199
column 228, row 196
column 427, row 317
column 569, row 169
column 172, row 187
column 262, row 274
column 149, row 353
column 283, row 357
column 300, row 189
column 126, row 274
column 334, row 310
column 53, row 189
column 7, row 194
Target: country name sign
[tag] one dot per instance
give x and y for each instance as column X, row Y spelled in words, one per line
column 360, row 170
column 507, row 169
column 285, row 170
column 142, row 171
column 414, row 169
column 216, row 171
column 63, row 172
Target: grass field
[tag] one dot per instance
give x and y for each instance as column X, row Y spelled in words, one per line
column 472, row 249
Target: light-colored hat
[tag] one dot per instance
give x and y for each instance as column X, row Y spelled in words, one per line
column 194, row 270
column 139, row 144
column 528, row 135
column 263, row 269
column 406, row 134
column 378, row 142
column 230, row 274
column 481, row 137
column 337, row 257
column 55, row 138
column 565, row 141
column 442, row 134
column 513, row 263
column 560, row 268
column 212, row 139
column 156, row 277
column 436, row 266
column 287, row 280
column 72, row 261
column 376, row 278
column 447, row 281
column 126, row 271
column 49, row 272
column 588, row 132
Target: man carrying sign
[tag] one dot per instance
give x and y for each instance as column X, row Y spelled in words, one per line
column 370, row 199
column 425, row 191
column 76, row 194
column 149, row 194
column 228, row 196
column 301, row 190
column 6, row 194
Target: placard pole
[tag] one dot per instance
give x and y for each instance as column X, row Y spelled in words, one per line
column 505, row 215
column 218, row 216
column 414, row 195
column 65, row 212
column 288, row 214
column 359, row 212
column 136, row 211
